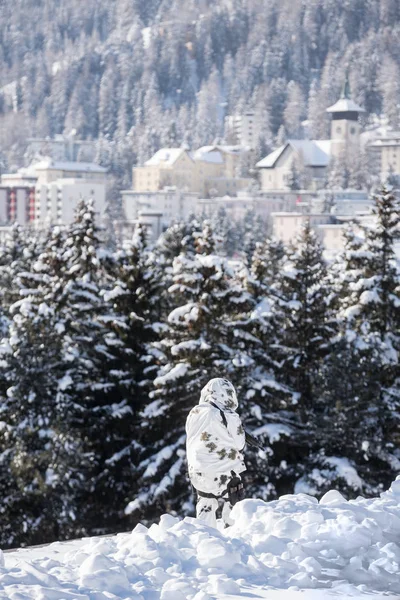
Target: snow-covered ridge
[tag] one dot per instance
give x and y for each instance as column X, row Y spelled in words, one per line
column 342, row 548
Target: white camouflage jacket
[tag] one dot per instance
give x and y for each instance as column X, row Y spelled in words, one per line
column 213, row 448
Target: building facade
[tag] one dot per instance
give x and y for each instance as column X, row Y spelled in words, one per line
column 171, row 203
column 243, row 129
column 387, row 148
column 210, row 170
column 48, row 192
column 304, row 163
column 62, row 148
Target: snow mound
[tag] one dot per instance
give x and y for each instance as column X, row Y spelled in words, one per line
column 340, row 547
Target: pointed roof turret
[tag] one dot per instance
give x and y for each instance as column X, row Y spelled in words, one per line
column 345, row 108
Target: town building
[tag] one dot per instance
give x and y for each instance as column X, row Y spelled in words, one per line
column 244, row 129
column 262, row 204
column 387, row 148
column 329, row 227
column 62, row 148
column 210, row 170
column 304, row 163
column 171, row 203
column 287, row 225
column 48, row 192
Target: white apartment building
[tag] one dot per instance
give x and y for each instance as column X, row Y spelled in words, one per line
column 62, row 148
column 387, row 148
column 49, row 191
column 349, row 203
column 262, row 204
column 48, row 171
column 244, row 128
column 56, row 201
column 170, row 202
column 329, row 228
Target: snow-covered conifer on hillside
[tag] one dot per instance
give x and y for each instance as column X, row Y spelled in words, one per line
column 369, row 311
column 131, row 293
column 17, row 254
column 255, row 229
column 39, row 455
column 307, row 326
column 266, row 264
column 90, row 360
column 267, row 403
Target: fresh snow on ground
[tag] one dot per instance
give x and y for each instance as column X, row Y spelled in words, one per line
column 293, row 548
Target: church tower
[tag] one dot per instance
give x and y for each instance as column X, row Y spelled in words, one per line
column 345, row 128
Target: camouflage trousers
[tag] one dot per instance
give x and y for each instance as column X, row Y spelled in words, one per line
column 206, row 510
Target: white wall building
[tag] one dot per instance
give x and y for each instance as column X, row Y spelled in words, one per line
column 244, row 128
column 287, row 225
column 56, row 202
column 305, row 156
column 49, row 191
column 342, row 202
column 330, row 228
column 51, row 170
column 387, row 148
column 262, row 204
column 62, row 148
column 171, row 203
column 311, row 158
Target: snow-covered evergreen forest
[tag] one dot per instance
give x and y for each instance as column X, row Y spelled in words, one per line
column 105, row 349
column 137, row 75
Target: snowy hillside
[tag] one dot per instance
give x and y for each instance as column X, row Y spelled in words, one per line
column 329, row 548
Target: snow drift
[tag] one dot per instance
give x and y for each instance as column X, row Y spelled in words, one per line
column 343, row 547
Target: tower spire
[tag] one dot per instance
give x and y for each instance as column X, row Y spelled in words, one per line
column 346, row 91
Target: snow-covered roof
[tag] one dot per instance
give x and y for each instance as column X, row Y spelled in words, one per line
column 56, row 165
column 315, row 153
column 270, row 160
column 165, row 156
column 232, row 149
column 345, row 105
column 208, row 154
column 388, row 139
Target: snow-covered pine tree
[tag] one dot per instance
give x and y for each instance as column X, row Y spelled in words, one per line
column 267, row 261
column 294, row 178
column 305, row 333
column 39, row 455
column 267, row 404
column 91, row 363
column 132, row 294
column 338, row 177
column 225, row 234
column 254, row 230
column 369, row 303
column 306, row 324
column 339, row 385
column 16, row 257
column 199, row 343
column 178, row 238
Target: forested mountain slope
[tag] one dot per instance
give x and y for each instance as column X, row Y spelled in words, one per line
column 139, row 74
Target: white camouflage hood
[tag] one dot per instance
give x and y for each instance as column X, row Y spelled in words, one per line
column 221, row 392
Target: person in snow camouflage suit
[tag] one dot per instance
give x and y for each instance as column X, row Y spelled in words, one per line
column 214, row 445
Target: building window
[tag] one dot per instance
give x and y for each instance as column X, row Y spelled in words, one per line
column 338, row 130
column 352, row 130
